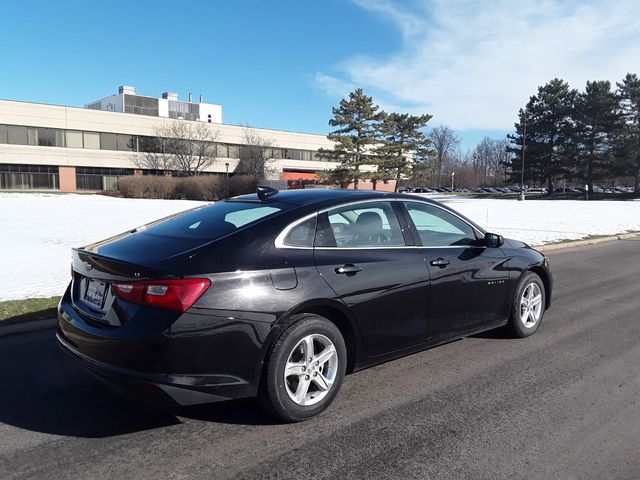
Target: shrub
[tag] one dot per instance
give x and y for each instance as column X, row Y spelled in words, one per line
column 147, row 186
column 206, row 187
column 241, row 184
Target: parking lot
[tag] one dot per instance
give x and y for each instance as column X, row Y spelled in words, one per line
column 560, row 404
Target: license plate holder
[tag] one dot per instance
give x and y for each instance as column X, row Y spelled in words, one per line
column 95, row 292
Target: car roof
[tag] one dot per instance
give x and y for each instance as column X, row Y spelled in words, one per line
column 312, row 196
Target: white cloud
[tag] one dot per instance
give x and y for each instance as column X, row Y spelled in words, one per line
column 472, row 64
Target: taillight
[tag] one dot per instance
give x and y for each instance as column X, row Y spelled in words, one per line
column 178, row 294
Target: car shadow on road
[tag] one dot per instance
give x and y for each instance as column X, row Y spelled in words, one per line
column 43, row 390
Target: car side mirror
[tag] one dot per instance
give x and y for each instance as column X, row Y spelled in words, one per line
column 493, row 240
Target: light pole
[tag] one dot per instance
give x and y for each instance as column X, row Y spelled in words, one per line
column 453, row 175
column 227, row 179
column 524, row 142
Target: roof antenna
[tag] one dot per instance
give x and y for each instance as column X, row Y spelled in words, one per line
column 265, row 192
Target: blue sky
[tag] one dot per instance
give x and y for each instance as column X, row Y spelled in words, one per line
column 284, row 64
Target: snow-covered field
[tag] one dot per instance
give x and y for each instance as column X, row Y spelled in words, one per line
column 37, row 231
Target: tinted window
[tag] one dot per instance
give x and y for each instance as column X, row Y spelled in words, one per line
column 17, row 135
column 438, row 228
column 108, row 141
column 302, row 234
column 213, row 221
column 365, row 225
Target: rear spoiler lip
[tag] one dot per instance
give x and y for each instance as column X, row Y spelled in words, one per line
column 94, row 265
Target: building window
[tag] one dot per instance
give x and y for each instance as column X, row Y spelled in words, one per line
column 3, row 134
column 17, row 135
column 45, row 137
column 127, row 143
column 88, row 178
column 74, row 139
column 29, row 177
column 108, row 141
column 150, row 144
column 234, row 151
column 209, row 118
column 91, row 140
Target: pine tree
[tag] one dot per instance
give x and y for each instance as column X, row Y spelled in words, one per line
column 597, row 122
column 628, row 144
column 400, row 137
column 548, row 125
column 355, row 119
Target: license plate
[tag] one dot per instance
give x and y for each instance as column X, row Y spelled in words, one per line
column 95, row 292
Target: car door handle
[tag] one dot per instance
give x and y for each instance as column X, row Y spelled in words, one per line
column 348, row 269
column 440, row 262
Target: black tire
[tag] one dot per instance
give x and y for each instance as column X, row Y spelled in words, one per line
column 516, row 326
column 274, row 394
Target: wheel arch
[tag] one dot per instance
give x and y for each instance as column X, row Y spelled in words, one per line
column 538, row 270
column 334, row 311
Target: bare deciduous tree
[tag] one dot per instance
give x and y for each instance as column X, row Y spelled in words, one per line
column 183, row 146
column 444, row 143
column 256, row 155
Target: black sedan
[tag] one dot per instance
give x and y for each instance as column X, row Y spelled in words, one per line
column 280, row 294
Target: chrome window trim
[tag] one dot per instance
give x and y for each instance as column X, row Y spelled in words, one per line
column 279, row 241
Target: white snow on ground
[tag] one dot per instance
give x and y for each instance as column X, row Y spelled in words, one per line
column 544, row 221
column 37, row 231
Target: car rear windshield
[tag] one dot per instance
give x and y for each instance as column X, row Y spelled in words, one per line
column 214, row 221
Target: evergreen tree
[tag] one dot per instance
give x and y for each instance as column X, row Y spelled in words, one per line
column 355, row 119
column 400, row 137
column 628, row 144
column 597, row 122
column 548, row 133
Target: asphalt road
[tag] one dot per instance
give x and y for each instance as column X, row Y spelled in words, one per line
column 564, row 403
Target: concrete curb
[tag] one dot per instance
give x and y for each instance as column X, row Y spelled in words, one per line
column 36, row 325
column 26, row 327
column 581, row 243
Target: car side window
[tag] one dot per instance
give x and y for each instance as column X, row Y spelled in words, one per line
column 372, row 224
column 302, row 234
column 439, row 228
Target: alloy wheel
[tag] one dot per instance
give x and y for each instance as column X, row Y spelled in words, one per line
column 311, row 369
column 531, row 305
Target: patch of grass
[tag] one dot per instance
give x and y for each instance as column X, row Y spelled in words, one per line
column 13, row 311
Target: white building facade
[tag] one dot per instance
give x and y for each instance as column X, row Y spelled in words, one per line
column 63, row 148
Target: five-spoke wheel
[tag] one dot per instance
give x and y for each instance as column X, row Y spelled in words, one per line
column 305, row 368
column 311, row 369
column 528, row 305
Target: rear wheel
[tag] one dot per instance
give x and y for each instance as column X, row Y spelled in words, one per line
column 305, row 369
column 528, row 306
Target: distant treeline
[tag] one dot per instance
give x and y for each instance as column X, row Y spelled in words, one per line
column 584, row 138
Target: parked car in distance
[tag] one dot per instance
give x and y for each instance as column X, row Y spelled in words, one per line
column 536, row 190
column 280, row 294
column 422, row 190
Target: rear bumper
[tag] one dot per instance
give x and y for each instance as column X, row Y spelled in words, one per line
column 169, row 389
column 176, row 369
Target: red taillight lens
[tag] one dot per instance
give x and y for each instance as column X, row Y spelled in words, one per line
column 177, row 294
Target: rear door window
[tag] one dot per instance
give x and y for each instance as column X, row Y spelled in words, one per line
column 372, row 224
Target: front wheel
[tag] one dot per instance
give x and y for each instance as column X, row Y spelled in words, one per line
column 305, row 369
column 528, row 306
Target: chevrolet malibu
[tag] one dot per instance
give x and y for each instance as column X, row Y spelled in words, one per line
column 280, row 294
